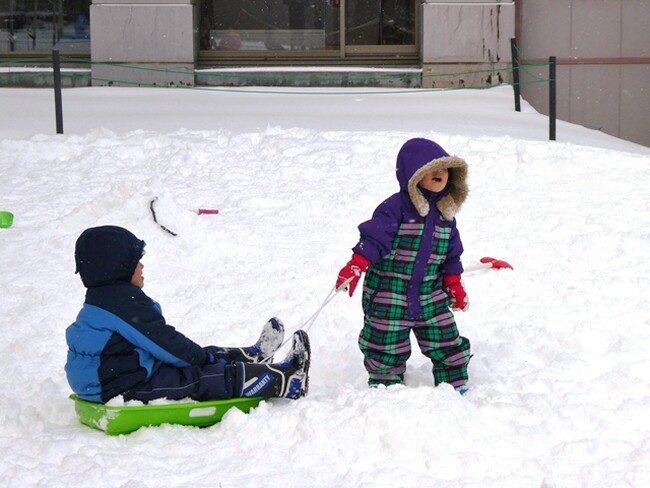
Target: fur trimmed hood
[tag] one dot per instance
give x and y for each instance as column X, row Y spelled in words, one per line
column 420, row 156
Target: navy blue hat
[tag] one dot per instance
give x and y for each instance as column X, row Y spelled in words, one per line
column 107, row 254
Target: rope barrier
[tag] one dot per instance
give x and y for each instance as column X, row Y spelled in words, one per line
column 327, row 78
column 523, row 64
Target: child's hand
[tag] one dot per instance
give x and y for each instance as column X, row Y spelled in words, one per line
column 457, row 295
column 352, row 271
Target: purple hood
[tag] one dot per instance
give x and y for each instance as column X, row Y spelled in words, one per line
column 420, row 156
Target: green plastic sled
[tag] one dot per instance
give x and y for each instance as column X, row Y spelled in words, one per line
column 122, row 420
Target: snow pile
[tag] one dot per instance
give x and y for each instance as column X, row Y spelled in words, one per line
column 559, row 392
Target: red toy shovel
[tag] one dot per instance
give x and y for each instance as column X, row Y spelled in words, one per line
column 487, row 263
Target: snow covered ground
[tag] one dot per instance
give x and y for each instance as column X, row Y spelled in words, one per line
column 560, row 391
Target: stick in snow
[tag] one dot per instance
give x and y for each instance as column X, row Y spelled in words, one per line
column 153, row 212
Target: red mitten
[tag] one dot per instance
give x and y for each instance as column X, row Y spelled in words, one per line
column 357, row 265
column 458, row 297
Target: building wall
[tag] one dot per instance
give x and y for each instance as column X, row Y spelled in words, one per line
column 603, row 53
column 470, row 39
column 157, row 37
column 602, row 48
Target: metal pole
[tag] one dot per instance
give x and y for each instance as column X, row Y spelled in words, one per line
column 342, row 30
column 515, row 73
column 58, row 106
column 552, row 97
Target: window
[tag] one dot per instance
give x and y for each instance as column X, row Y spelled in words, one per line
column 380, row 22
column 43, row 25
column 288, row 26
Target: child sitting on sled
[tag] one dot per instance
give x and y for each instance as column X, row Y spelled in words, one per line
column 410, row 251
column 120, row 343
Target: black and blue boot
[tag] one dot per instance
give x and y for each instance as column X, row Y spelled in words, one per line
column 286, row 379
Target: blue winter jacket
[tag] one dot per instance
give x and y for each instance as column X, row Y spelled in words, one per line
column 120, row 336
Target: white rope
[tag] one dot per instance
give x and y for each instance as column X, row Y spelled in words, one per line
column 306, row 325
column 310, row 321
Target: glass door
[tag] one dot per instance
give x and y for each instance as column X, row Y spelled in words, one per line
column 380, row 25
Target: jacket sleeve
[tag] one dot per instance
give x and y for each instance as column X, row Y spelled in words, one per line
column 377, row 234
column 452, row 264
column 144, row 326
column 153, row 334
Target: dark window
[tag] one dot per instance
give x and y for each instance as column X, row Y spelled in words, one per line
column 42, row 25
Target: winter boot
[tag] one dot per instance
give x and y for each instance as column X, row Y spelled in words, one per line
column 270, row 341
column 287, row 379
column 262, row 351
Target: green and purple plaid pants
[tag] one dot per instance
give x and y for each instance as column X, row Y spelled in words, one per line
column 385, row 338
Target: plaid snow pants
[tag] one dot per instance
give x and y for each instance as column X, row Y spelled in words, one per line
column 385, row 337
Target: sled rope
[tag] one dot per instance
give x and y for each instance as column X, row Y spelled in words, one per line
column 310, row 321
column 306, row 325
column 330, row 296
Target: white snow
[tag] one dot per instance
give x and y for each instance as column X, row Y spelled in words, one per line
column 560, row 385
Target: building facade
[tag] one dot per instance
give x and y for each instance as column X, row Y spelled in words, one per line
column 602, row 46
column 603, row 55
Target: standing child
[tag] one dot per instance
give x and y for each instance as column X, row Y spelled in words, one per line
column 120, row 343
column 410, row 250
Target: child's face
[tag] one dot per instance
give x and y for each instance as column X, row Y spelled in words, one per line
column 435, row 181
column 138, row 278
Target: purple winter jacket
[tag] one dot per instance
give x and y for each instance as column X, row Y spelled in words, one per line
column 414, row 204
